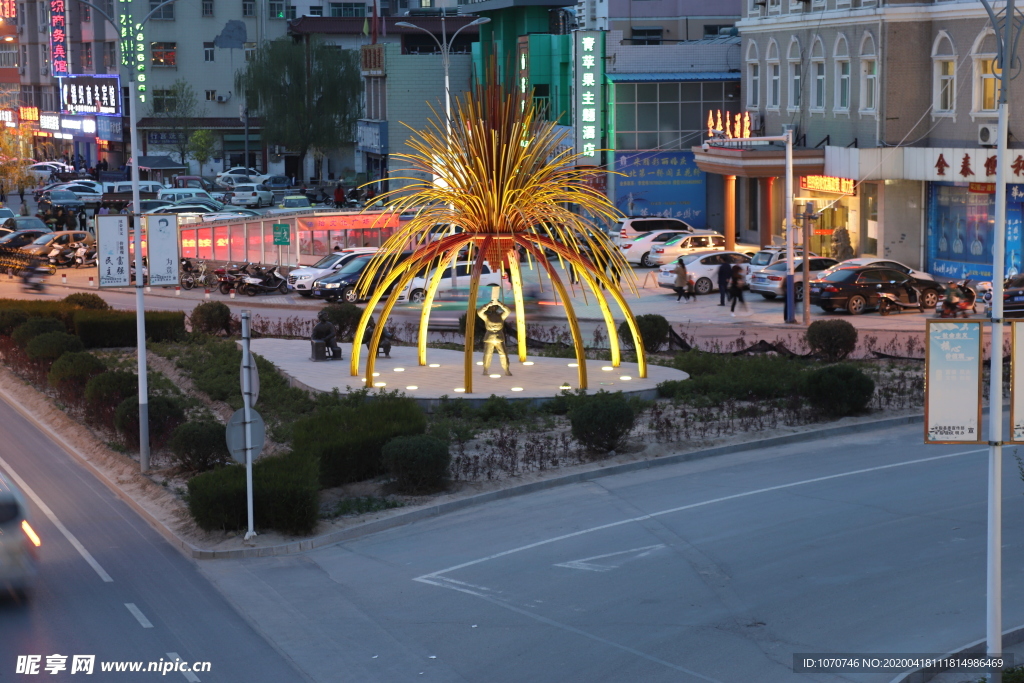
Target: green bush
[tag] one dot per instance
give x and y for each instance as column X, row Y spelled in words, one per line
column 833, row 340
column 417, row 463
column 50, row 346
column 11, row 318
column 1013, row 675
column 116, row 329
column 347, row 440
column 72, row 371
column 199, row 446
column 653, row 331
column 285, row 495
column 33, row 327
column 839, row 390
column 165, row 414
column 716, row 377
column 601, row 421
column 345, row 317
column 41, row 309
column 562, row 403
column 86, row 300
column 105, row 392
column 211, row 317
column 500, row 409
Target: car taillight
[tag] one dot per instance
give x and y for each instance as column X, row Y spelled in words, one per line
column 626, row 246
column 31, row 533
column 830, row 288
column 659, row 250
column 775, row 278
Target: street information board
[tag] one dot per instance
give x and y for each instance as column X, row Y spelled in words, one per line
column 952, row 382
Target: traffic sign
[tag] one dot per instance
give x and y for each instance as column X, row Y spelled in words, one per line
column 282, row 235
column 235, row 433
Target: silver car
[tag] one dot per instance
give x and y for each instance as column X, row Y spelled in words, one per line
column 19, row 543
column 770, row 281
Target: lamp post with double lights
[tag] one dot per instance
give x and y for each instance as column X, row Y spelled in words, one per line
column 140, row 305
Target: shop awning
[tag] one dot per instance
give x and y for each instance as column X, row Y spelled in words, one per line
column 675, row 76
column 159, row 162
column 758, row 161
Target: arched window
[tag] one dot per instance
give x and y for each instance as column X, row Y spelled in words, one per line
column 986, row 74
column 944, row 63
column 868, row 74
column 817, row 75
column 793, row 57
column 753, row 76
column 841, row 58
column 774, row 75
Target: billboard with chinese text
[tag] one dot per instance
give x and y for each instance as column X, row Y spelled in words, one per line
column 656, row 183
column 90, row 94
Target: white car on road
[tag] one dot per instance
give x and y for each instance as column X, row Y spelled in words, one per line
column 702, row 269
column 416, row 291
column 638, row 250
column 687, row 244
column 252, row 195
column 634, row 226
column 301, row 279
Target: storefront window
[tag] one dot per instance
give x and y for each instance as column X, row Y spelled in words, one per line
column 205, row 243
column 960, row 226
column 320, row 244
column 188, row 243
column 255, row 240
column 869, row 218
column 237, row 242
column 220, row 243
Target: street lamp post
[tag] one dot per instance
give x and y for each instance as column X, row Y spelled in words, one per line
column 140, row 305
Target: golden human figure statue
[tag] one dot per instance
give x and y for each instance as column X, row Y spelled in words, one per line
column 493, row 313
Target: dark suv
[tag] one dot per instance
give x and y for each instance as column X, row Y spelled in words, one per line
column 342, row 283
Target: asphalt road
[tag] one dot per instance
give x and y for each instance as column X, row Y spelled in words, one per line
column 714, row 570
column 80, row 607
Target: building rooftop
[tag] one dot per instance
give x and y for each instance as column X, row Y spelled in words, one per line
column 354, row 25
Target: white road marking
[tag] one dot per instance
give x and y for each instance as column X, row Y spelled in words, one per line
column 189, row 676
column 137, row 613
column 587, row 564
column 45, row 509
column 426, row 578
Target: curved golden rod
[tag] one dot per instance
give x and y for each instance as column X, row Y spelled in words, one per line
column 515, row 278
column 378, row 331
column 606, row 312
column 420, row 259
column 570, row 314
column 428, row 300
column 474, row 285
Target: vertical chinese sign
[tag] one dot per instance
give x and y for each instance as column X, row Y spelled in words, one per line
column 952, row 385
column 58, row 38
column 589, row 75
column 133, row 46
column 112, row 251
column 162, row 247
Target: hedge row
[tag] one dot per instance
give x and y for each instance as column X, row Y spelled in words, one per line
column 111, row 329
column 285, row 495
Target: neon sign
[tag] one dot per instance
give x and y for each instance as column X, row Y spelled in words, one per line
column 827, row 183
column 90, row 94
column 589, row 96
column 58, row 38
column 731, row 127
column 133, row 46
column 8, row 118
column 28, row 113
column 7, row 9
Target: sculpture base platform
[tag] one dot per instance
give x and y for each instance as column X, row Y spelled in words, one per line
column 538, row 380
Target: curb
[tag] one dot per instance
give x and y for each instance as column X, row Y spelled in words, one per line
column 1011, row 637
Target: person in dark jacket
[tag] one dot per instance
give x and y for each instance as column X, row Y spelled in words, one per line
column 724, row 275
column 736, row 284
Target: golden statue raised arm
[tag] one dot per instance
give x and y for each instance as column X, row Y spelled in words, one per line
column 493, row 313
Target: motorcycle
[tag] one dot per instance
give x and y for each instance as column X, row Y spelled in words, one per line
column 262, row 280
column 959, row 302
column 231, row 276
column 85, row 255
column 61, row 257
column 32, row 277
column 890, row 303
column 145, row 270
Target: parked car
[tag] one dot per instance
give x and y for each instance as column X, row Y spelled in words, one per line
column 638, row 250
column 212, row 204
column 44, row 169
column 770, row 282
column 180, row 194
column 87, row 193
column 18, row 239
column 148, row 186
column 293, row 203
column 635, row 226
column 239, row 170
column 6, row 213
column 278, row 182
column 19, row 542
column 857, row 289
column 301, row 279
column 702, row 269
column 884, row 263
column 440, row 230
column 688, row 244
column 230, row 214
column 769, row 255
column 60, row 199
column 416, row 291
column 184, row 208
column 1013, row 297
column 252, row 195
column 16, row 223
column 41, row 245
column 342, row 284
column 148, row 205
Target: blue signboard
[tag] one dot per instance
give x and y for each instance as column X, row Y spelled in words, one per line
column 660, row 183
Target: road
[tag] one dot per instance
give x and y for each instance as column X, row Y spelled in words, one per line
column 713, row 570
column 81, row 607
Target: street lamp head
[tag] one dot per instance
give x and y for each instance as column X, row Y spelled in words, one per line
column 405, row 24
column 481, row 20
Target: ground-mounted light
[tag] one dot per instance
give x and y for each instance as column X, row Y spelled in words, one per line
column 517, row 388
column 460, row 390
column 399, row 369
column 434, row 365
column 527, row 362
column 607, row 368
column 625, row 378
column 380, row 384
column 494, row 376
column 574, row 365
column 412, row 388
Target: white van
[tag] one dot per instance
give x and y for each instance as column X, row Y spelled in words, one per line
column 126, row 186
column 19, row 543
column 176, row 194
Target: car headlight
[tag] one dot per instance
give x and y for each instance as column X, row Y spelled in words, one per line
column 332, row 285
column 303, row 277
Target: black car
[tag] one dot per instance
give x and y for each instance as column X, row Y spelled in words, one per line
column 857, row 289
column 1013, row 297
column 16, row 223
column 19, row 239
column 61, row 199
column 342, row 283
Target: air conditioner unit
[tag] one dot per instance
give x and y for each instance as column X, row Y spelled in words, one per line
column 223, row 98
column 790, row 127
column 756, row 122
column 987, row 133
column 44, row 28
column 44, row 71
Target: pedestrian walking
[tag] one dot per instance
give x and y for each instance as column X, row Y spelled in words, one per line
column 736, row 284
column 21, row 193
column 724, row 275
column 682, row 281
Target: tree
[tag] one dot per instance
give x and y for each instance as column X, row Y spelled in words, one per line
column 178, row 108
column 201, row 146
column 308, row 94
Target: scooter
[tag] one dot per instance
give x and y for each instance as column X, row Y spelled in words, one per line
column 262, row 280
column 890, row 303
column 231, row 276
column 85, row 255
column 961, row 304
column 61, row 257
column 32, row 278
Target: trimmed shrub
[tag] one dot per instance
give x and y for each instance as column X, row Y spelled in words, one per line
column 500, row 409
column 839, row 390
column 11, row 318
column 33, row 327
column 86, row 300
column 345, row 317
column 653, row 331
column 211, row 317
column 50, row 346
column 601, row 421
column 347, row 441
column 41, row 309
column 417, row 463
column 114, row 329
column 72, row 371
column 199, row 446
column 833, row 340
column 718, row 377
column 105, row 392
column 285, row 495
column 165, row 414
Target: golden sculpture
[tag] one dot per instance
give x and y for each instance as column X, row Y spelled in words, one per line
column 493, row 313
column 504, row 177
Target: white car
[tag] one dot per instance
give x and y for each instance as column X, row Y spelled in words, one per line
column 252, row 195
column 126, row 186
column 239, row 170
column 702, row 269
column 881, row 263
column 416, row 291
column 301, row 279
column 87, row 193
column 230, row 215
column 638, row 250
column 770, row 282
column 44, row 169
column 769, row 255
column 19, row 542
column 635, row 226
column 687, row 244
